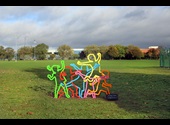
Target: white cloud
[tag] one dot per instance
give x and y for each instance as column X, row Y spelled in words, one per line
column 79, row 26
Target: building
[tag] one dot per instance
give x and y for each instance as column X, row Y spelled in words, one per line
column 144, row 50
column 53, row 51
column 153, row 47
column 76, row 51
column 150, row 47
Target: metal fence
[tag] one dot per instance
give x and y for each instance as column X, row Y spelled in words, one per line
column 165, row 58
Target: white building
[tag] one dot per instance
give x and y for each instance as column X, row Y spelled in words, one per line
column 154, row 47
column 76, row 50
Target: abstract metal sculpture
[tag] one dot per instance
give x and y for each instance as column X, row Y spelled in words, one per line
column 90, row 82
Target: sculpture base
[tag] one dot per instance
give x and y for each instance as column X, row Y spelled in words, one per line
column 112, row 97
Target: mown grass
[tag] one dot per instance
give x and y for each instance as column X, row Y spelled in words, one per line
column 142, row 86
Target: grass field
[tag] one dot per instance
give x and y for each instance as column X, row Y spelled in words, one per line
column 142, row 86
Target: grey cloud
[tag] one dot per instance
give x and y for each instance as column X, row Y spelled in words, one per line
column 137, row 14
column 82, row 26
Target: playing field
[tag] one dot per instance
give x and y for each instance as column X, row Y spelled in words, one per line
column 143, row 90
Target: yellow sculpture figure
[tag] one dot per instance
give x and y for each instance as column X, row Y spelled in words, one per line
column 89, row 63
column 93, row 81
column 90, row 82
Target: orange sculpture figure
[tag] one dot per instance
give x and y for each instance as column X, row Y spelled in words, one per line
column 69, row 81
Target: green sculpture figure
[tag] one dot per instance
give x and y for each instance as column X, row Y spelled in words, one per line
column 60, row 70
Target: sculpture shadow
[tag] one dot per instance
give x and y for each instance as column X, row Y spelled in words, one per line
column 41, row 73
column 146, row 93
column 49, row 89
column 137, row 92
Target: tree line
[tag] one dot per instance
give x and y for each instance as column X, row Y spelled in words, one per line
column 110, row 52
column 24, row 53
column 40, row 52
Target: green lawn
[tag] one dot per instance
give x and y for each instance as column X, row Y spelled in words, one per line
column 142, row 86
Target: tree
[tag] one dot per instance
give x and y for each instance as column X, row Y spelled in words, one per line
column 9, row 53
column 121, row 51
column 40, row 51
column 2, row 53
column 103, row 50
column 112, row 52
column 52, row 56
column 133, row 52
column 82, row 55
column 25, row 52
column 157, row 53
column 94, row 49
column 75, row 56
column 65, row 51
column 153, row 53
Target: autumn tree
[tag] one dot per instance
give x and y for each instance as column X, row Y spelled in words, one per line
column 153, row 53
column 9, row 53
column 133, row 52
column 65, row 51
column 2, row 53
column 112, row 52
column 25, row 52
column 103, row 50
column 94, row 49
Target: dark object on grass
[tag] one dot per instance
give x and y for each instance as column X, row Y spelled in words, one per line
column 112, row 96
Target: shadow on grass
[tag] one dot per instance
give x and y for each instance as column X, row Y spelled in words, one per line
column 145, row 93
column 42, row 74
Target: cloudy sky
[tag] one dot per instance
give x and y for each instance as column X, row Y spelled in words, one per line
column 79, row 26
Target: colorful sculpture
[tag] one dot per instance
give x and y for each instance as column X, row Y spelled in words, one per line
column 90, row 82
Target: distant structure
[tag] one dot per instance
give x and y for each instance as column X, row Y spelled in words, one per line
column 52, row 51
column 144, row 50
column 165, row 58
column 76, row 51
column 150, row 47
column 153, row 47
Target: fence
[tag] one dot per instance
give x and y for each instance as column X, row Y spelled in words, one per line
column 165, row 58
